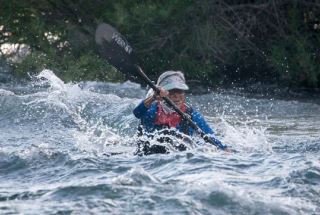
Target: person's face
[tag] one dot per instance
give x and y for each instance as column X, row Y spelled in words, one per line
column 177, row 96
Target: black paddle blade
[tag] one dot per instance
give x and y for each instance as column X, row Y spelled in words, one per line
column 116, row 50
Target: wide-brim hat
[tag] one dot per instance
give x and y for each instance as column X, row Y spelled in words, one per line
column 170, row 80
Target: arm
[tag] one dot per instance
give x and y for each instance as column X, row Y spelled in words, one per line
column 143, row 107
column 201, row 122
column 146, row 115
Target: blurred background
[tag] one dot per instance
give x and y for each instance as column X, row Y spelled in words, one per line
column 220, row 43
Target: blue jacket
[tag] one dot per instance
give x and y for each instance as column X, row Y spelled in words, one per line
column 148, row 117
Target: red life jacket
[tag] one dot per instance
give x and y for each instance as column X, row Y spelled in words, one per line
column 168, row 119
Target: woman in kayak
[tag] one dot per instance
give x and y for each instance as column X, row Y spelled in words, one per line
column 156, row 115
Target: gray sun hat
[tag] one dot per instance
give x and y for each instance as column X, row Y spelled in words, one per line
column 170, row 80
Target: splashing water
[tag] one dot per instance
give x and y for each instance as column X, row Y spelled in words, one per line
column 57, row 139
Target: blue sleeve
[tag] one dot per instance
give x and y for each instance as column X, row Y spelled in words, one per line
column 140, row 110
column 201, row 122
column 146, row 115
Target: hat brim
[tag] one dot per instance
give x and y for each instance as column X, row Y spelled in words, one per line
column 179, row 86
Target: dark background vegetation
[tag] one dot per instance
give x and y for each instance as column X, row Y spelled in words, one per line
column 215, row 42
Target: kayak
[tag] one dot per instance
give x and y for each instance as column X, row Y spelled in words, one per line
column 146, row 148
column 162, row 143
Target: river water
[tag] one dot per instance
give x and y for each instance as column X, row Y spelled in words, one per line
column 56, row 141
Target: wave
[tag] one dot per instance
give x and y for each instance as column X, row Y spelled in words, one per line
column 75, row 142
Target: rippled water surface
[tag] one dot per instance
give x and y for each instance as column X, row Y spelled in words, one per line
column 56, row 142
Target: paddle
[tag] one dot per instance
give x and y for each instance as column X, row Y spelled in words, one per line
column 117, row 51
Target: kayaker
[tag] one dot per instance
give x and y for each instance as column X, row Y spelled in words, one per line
column 156, row 115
